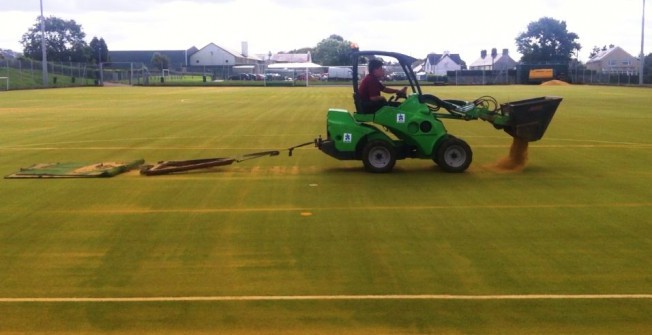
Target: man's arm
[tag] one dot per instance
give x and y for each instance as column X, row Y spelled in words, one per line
column 400, row 93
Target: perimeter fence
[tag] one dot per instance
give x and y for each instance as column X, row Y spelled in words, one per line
column 28, row 74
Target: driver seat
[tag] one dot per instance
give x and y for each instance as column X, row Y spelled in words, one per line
column 366, row 107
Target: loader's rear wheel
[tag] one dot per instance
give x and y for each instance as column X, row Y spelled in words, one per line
column 454, row 155
column 378, row 156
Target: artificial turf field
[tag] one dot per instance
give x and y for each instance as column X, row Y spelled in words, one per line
column 311, row 245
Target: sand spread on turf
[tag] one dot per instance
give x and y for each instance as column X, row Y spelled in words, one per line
column 517, row 158
column 96, row 167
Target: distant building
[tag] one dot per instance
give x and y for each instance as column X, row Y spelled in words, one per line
column 214, row 55
column 614, row 60
column 178, row 58
column 211, row 56
column 494, row 61
column 440, row 64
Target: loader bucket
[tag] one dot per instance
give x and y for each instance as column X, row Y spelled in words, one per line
column 529, row 119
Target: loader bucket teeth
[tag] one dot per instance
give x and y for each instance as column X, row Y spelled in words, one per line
column 529, row 119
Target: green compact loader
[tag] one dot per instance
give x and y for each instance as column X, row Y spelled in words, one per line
column 411, row 126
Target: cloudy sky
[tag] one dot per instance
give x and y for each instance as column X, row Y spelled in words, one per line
column 414, row 27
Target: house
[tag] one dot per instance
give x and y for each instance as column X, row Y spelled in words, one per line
column 614, row 60
column 494, row 61
column 440, row 64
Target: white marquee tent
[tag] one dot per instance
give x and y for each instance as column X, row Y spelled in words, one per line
column 296, row 67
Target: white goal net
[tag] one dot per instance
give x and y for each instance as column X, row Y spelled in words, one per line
column 4, row 83
column 124, row 73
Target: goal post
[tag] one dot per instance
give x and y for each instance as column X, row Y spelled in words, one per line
column 298, row 74
column 291, row 76
column 127, row 73
column 165, row 73
column 6, row 85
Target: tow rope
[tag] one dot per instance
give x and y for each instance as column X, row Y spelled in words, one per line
column 167, row 167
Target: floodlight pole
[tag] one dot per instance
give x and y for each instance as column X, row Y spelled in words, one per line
column 642, row 56
column 44, row 62
column 101, row 82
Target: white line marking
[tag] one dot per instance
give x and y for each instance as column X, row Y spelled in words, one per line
column 335, row 208
column 338, row 297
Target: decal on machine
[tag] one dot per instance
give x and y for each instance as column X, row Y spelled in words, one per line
column 347, row 138
column 400, row 118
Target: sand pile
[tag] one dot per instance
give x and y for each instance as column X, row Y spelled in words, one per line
column 555, row 83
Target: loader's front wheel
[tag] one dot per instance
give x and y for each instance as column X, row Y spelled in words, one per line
column 378, row 156
column 454, row 155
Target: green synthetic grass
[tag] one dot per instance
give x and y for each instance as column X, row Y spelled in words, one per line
column 574, row 221
column 31, row 78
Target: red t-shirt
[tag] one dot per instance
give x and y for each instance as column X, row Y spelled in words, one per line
column 370, row 87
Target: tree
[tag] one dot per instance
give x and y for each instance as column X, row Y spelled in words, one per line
column 64, row 41
column 99, row 51
column 333, row 51
column 160, row 61
column 596, row 50
column 547, row 40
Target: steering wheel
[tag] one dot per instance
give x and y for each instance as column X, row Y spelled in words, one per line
column 394, row 98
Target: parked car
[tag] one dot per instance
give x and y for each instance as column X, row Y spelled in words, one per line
column 274, row 76
column 240, row 76
column 396, row 76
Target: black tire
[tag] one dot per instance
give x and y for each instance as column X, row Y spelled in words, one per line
column 378, row 156
column 454, row 155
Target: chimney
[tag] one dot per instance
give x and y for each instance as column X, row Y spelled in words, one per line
column 483, row 54
column 494, row 53
column 245, row 49
column 505, row 52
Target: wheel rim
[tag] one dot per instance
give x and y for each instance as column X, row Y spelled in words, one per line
column 379, row 157
column 455, row 156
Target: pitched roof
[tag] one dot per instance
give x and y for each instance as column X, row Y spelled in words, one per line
column 488, row 61
column 230, row 51
column 418, row 65
column 483, row 61
column 434, row 58
column 291, row 58
column 601, row 54
column 604, row 53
